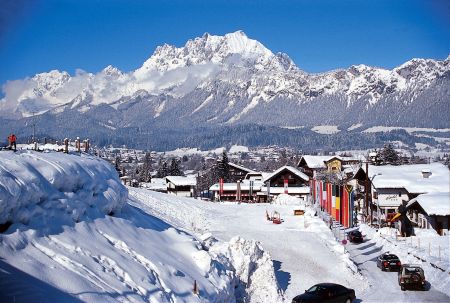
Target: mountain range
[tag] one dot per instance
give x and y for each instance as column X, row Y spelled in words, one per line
column 225, row 82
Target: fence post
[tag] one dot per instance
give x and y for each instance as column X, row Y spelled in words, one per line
column 78, row 144
column 66, row 145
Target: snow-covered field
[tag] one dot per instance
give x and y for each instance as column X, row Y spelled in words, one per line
column 70, row 232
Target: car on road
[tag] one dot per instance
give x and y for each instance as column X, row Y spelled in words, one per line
column 355, row 236
column 411, row 275
column 389, row 262
column 326, row 292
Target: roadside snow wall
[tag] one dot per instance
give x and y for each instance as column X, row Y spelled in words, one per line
column 252, row 267
column 52, row 189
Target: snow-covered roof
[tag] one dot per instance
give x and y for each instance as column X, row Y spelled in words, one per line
column 433, row 203
column 315, row 161
column 182, row 181
column 238, row 149
column 291, row 169
column 241, row 167
column 410, row 177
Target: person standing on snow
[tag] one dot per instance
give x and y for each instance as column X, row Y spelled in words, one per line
column 12, row 141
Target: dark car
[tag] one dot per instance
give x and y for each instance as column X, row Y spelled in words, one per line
column 326, row 293
column 388, row 262
column 411, row 276
column 355, row 236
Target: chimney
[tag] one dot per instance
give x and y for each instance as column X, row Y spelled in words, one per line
column 426, row 173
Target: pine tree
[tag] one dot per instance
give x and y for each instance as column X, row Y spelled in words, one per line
column 162, row 170
column 389, row 156
column 117, row 166
column 223, row 168
column 174, row 168
column 146, row 169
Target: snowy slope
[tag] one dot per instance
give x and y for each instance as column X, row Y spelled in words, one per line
column 69, row 226
column 62, row 235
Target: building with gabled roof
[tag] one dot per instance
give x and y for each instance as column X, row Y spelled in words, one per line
column 288, row 180
column 181, row 186
column 237, row 172
column 431, row 211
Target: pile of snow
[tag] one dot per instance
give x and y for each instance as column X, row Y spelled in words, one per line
column 253, row 268
column 285, row 199
column 44, row 189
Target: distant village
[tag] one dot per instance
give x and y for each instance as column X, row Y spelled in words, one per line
column 370, row 186
column 352, row 186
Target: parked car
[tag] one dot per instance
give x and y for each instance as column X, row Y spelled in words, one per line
column 326, row 292
column 355, row 236
column 388, row 262
column 411, row 276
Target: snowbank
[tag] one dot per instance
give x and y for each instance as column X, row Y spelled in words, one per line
column 62, row 239
column 253, row 270
column 52, row 189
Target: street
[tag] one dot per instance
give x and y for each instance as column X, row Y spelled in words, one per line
column 384, row 285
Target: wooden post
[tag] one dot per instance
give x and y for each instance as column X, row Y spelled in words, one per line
column 35, row 145
column 66, row 145
column 87, row 145
column 78, row 144
column 195, row 290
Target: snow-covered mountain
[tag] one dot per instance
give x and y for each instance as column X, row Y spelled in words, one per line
column 232, row 79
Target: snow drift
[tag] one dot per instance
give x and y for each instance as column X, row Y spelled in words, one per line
column 76, row 233
column 51, row 189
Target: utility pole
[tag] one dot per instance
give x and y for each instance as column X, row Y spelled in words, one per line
column 34, row 127
column 366, row 189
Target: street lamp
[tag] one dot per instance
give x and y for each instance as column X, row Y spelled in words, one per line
column 378, row 204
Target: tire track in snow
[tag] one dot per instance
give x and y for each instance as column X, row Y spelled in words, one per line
column 146, row 263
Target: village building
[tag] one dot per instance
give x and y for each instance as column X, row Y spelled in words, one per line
column 391, row 186
column 315, row 166
column 181, row 186
column 431, row 211
column 242, row 191
column 285, row 180
column 237, row 172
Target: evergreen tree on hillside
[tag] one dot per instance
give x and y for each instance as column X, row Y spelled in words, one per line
column 117, row 165
column 146, row 169
column 223, row 168
column 388, row 155
column 174, row 169
column 163, row 170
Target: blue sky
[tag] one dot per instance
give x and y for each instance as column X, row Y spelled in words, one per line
column 41, row 35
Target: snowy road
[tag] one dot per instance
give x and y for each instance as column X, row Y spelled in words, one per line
column 383, row 285
column 301, row 257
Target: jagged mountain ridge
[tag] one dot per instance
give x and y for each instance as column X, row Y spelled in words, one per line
column 232, row 79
